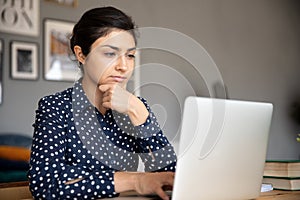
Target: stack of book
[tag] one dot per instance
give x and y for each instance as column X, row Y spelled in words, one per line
column 282, row 174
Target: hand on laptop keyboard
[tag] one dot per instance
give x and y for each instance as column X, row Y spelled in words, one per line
column 155, row 183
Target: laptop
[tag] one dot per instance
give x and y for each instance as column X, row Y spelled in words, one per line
column 222, row 150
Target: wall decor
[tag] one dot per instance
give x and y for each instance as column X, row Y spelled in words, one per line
column 20, row 17
column 72, row 3
column 24, row 60
column 1, row 67
column 59, row 60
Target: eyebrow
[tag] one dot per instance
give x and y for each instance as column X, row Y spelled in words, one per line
column 117, row 48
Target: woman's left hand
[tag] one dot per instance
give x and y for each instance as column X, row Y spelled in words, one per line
column 119, row 99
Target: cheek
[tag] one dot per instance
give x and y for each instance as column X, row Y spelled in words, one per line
column 96, row 66
column 104, row 74
column 130, row 71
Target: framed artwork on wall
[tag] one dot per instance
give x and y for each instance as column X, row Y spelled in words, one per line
column 20, row 17
column 60, row 64
column 24, row 60
column 71, row 3
column 1, row 67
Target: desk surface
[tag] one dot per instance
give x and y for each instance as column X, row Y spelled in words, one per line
column 21, row 191
column 275, row 194
column 280, row 195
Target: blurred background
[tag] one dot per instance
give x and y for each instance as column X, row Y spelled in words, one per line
column 255, row 45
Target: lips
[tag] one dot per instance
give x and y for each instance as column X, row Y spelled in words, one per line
column 118, row 78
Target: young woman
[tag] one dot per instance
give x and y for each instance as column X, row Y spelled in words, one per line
column 88, row 139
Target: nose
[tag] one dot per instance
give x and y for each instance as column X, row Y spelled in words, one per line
column 122, row 63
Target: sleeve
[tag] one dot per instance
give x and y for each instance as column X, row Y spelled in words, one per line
column 156, row 151
column 49, row 170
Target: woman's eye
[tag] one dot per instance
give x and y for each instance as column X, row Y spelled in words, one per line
column 131, row 56
column 110, row 54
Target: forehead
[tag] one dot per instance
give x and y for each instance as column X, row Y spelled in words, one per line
column 118, row 38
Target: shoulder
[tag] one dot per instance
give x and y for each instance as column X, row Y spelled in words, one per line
column 57, row 99
column 55, row 107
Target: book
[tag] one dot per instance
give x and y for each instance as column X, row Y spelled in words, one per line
column 282, row 168
column 283, row 183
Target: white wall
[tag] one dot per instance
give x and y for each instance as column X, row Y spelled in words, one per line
column 255, row 44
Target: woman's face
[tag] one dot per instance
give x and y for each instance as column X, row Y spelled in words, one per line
column 111, row 59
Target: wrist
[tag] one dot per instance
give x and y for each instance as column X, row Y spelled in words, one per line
column 137, row 111
column 126, row 181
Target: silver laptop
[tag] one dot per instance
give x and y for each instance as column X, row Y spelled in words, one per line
column 222, row 149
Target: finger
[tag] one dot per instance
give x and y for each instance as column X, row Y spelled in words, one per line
column 162, row 194
column 169, row 179
column 107, row 105
column 172, row 174
column 167, row 187
column 106, row 98
column 104, row 88
column 108, row 95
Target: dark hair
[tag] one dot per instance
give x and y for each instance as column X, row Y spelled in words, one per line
column 99, row 22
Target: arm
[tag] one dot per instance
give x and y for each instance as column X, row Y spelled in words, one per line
column 52, row 175
column 153, row 147
column 155, row 150
column 137, row 111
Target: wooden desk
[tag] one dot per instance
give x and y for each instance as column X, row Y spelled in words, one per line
column 20, row 190
column 272, row 195
column 15, row 191
column 280, row 195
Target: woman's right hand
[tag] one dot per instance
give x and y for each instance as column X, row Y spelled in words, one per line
column 153, row 183
column 144, row 183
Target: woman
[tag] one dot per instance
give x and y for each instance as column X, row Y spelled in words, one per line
column 88, row 138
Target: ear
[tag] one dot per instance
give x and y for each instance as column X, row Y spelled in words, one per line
column 79, row 55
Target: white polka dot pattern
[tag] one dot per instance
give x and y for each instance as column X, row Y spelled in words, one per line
column 92, row 148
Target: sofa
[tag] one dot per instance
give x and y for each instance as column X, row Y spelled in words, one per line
column 14, row 157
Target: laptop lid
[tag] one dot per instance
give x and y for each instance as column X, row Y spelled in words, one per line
column 222, row 149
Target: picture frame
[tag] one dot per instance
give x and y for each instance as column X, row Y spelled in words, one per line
column 1, row 68
column 24, row 60
column 20, row 17
column 59, row 61
column 71, row 3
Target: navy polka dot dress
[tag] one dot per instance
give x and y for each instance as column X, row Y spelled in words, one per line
column 73, row 140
